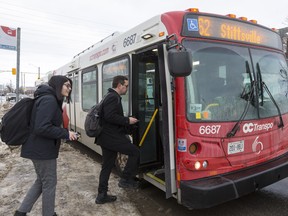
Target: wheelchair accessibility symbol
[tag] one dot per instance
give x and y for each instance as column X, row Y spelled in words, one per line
column 192, row 24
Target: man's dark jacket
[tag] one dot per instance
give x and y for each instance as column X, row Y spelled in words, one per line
column 46, row 131
column 114, row 123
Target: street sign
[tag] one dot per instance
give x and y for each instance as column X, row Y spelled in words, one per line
column 8, row 39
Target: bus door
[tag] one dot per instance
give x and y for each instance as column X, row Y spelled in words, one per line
column 74, row 97
column 147, row 107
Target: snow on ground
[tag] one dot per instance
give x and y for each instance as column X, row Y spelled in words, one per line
column 76, row 188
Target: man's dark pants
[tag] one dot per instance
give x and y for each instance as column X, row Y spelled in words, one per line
column 108, row 162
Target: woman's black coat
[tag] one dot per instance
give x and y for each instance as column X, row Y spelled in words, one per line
column 114, row 123
column 46, row 131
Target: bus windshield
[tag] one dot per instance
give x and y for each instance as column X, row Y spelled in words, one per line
column 227, row 81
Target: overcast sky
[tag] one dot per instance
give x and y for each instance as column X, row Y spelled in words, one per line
column 52, row 32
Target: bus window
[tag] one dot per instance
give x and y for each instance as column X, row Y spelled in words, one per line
column 150, row 90
column 75, row 86
column 75, row 99
column 89, row 90
column 273, row 72
column 114, row 68
column 218, row 80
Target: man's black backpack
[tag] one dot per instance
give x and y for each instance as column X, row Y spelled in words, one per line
column 93, row 124
column 15, row 124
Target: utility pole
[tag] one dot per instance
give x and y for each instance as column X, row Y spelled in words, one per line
column 18, row 64
column 38, row 73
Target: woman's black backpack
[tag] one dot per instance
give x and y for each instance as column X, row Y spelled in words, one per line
column 15, row 124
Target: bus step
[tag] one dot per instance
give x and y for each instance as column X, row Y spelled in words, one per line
column 157, row 178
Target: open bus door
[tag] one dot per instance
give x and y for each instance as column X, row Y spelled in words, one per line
column 149, row 95
column 72, row 106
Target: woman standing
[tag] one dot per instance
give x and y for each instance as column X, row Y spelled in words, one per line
column 43, row 144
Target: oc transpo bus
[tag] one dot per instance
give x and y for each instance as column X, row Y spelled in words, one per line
column 210, row 92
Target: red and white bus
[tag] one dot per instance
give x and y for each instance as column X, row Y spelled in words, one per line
column 210, row 92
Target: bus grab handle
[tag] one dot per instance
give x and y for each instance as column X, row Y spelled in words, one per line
column 148, row 127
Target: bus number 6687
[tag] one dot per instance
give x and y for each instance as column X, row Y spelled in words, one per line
column 129, row 40
column 209, row 129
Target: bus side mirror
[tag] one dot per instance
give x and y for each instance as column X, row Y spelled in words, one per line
column 180, row 62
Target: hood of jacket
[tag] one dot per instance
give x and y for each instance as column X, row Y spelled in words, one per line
column 45, row 89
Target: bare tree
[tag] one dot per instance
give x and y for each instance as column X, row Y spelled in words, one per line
column 10, row 89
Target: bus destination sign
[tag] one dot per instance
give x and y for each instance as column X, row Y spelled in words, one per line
column 232, row 30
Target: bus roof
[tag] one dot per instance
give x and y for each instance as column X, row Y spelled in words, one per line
column 158, row 27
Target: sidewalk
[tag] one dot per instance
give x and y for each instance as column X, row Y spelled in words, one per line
column 76, row 188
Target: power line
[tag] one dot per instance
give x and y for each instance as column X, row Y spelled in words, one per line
column 62, row 30
column 76, row 18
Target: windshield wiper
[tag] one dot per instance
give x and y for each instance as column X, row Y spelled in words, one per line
column 246, row 92
column 260, row 84
column 263, row 85
column 249, row 100
column 236, row 126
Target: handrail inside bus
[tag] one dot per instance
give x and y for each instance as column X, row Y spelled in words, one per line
column 148, row 127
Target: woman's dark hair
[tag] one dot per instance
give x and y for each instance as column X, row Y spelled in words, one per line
column 57, row 82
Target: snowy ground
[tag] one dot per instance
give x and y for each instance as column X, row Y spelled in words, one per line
column 76, row 189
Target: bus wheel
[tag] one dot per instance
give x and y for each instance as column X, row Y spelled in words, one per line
column 120, row 163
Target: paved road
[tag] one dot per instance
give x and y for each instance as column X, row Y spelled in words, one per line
column 272, row 200
column 269, row 201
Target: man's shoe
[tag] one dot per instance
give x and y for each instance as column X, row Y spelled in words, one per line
column 18, row 213
column 104, row 198
column 128, row 183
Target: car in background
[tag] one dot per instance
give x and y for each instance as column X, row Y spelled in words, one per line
column 11, row 96
column 22, row 96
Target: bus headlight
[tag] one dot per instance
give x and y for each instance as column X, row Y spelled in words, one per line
column 205, row 164
column 198, row 165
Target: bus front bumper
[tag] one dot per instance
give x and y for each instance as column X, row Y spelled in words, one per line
column 208, row 192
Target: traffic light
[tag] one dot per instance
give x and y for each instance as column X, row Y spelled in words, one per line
column 14, row 71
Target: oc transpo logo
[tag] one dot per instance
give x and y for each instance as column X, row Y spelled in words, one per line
column 250, row 127
column 257, row 146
